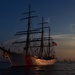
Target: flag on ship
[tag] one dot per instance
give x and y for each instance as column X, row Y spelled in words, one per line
column 53, row 43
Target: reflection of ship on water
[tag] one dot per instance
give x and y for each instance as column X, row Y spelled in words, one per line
column 37, row 50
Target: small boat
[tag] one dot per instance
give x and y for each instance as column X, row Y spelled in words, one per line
column 38, row 50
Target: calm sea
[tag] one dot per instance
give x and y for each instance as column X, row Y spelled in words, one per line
column 57, row 69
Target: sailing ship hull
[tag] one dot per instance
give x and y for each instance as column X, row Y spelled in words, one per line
column 23, row 60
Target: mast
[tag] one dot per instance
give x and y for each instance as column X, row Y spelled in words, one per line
column 49, row 43
column 42, row 38
column 41, row 47
column 28, row 30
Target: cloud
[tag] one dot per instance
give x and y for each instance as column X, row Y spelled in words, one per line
column 72, row 27
column 48, row 20
column 65, row 46
column 65, row 40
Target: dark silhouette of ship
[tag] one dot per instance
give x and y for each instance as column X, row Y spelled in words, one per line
column 37, row 50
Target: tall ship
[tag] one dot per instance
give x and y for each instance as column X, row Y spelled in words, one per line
column 37, row 46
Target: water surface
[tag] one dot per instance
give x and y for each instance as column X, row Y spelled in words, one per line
column 57, row 69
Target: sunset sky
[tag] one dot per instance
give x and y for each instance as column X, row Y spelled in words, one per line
column 60, row 14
